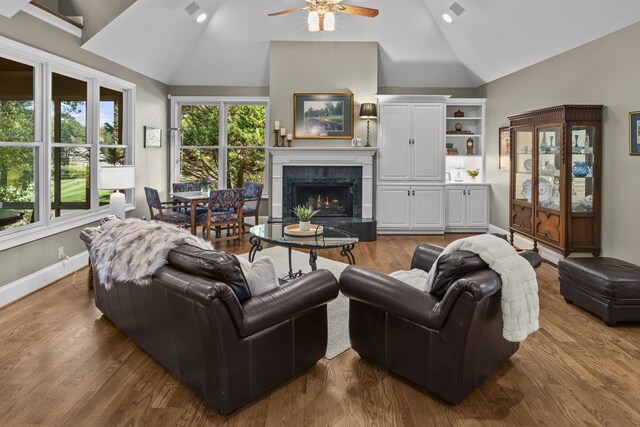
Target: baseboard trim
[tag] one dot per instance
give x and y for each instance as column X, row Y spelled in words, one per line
column 525, row 243
column 40, row 279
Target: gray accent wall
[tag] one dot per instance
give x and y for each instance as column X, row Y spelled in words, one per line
column 151, row 110
column 604, row 71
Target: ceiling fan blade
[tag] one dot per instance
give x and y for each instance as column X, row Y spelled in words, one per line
column 357, row 10
column 287, row 11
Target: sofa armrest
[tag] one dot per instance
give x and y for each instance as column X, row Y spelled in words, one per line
column 425, row 255
column 303, row 294
column 405, row 301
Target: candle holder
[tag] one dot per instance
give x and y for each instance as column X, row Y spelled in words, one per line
column 288, row 143
column 277, row 134
column 283, row 138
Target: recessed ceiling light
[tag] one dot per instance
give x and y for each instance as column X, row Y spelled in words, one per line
column 447, row 18
column 201, row 17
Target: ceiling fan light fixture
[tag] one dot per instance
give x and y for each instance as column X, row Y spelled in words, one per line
column 329, row 21
column 447, row 18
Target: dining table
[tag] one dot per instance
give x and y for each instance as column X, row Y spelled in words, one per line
column 192, row 198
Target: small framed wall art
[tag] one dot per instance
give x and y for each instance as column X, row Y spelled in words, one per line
column 634, row 133
column 323, row 115
column 152, row 137
column 504, row 149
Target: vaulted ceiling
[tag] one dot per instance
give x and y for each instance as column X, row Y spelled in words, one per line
column 491, row 39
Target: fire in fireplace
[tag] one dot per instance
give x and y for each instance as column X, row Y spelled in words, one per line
column 331, row 199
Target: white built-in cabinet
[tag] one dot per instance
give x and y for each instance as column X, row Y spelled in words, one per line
column 467, row 207
column 412, row 193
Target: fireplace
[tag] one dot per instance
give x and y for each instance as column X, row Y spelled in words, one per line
column 330, row 199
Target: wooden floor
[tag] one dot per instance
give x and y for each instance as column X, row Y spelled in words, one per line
column 63, row 363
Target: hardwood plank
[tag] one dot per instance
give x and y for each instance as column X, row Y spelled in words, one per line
column 63, row 363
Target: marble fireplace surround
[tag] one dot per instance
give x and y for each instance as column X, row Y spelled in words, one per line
column 321, row 156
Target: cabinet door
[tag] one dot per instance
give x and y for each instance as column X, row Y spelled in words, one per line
column 428, row 153
column 395, row 126
column 393, row 207
column 427, row 208
column 477, row 201
column 455, row 207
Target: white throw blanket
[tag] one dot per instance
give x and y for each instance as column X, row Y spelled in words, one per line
column 131, row 250
column 520, row 306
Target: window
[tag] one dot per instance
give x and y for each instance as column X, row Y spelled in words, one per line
column 223, row 138
column 59, row 121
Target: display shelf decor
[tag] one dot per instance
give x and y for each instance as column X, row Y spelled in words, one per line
column 323, row 116
column 634, row 133
column 504, row 149
column 152, row 137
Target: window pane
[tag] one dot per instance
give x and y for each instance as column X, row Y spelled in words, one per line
column 245, row 165
column 110, row 117
column 196, row 163
column 68, row 110
column 110, row 157
column 18, row 189
column 16, row 101
column 246, row 125
column 199, row 124
column 70, row 180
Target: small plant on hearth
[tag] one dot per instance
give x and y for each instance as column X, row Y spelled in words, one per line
column 304, row 213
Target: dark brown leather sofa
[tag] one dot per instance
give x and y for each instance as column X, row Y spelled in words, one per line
column 227, row 346
column 449, row 345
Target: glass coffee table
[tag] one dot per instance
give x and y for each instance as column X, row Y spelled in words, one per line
column 330, row 238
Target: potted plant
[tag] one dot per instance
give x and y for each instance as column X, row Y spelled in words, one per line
column 206, row 182
column 304, row 215
column 473, row 173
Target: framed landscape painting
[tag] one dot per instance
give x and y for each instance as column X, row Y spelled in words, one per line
column 504, row 147
column 323, row 115
column 634, row 133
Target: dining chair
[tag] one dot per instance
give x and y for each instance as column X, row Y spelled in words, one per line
column 170, row 215
column 225, row 211
column 252, row 193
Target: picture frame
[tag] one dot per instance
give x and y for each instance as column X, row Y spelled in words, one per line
column 504, row 149
column 634, row 133
column 152, row 137
column 323, row 116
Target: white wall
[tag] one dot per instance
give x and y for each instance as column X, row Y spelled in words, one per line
column 604, row 71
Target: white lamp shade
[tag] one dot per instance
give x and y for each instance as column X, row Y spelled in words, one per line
column 117, row 177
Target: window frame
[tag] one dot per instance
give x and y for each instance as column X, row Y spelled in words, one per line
column 45, row 64
column 223, row 146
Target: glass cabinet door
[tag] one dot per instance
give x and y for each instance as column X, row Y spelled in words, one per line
column 549, row 168
column 582, row 166
column 522, row 147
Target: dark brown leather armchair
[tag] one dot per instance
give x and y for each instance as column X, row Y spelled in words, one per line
column 448, row 346
column 229, row 352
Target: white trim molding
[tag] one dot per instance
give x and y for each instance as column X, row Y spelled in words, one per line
column 525, row 243
column 43, row 278
column 49, row 18
column 322, row 156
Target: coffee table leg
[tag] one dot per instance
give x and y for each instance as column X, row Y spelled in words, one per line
column 346, row 252
column 313, row 256
column 256, row 245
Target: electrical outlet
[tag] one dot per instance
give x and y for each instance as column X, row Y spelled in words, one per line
column 61, row 253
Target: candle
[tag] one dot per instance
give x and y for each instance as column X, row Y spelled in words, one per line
column 276, row 125
column 283, row 131
column 289, row 137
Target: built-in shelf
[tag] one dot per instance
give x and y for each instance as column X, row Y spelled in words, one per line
column 464, row 118
column 465, row 135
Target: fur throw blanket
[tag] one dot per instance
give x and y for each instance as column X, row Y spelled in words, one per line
column 131, row 250
column 520, row 306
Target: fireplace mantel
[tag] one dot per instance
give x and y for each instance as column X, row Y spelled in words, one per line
column 322, row 156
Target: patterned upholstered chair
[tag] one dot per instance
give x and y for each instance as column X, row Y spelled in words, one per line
column 184, row 187
column 171, row 216
column 252, row 193
column 225, row 211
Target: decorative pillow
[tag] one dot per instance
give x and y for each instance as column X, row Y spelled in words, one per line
column 213, row 264
column 261, row 274
column 416, row 278
column 452, row 267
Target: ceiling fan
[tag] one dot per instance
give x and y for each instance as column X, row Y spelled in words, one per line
column 322, row 13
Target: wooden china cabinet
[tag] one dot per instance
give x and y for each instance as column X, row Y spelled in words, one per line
column 556, row 170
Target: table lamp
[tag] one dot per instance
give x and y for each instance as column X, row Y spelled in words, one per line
column 117, row 178
column 368, row 112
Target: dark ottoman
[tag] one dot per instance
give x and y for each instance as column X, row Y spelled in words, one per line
column 607, row 287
